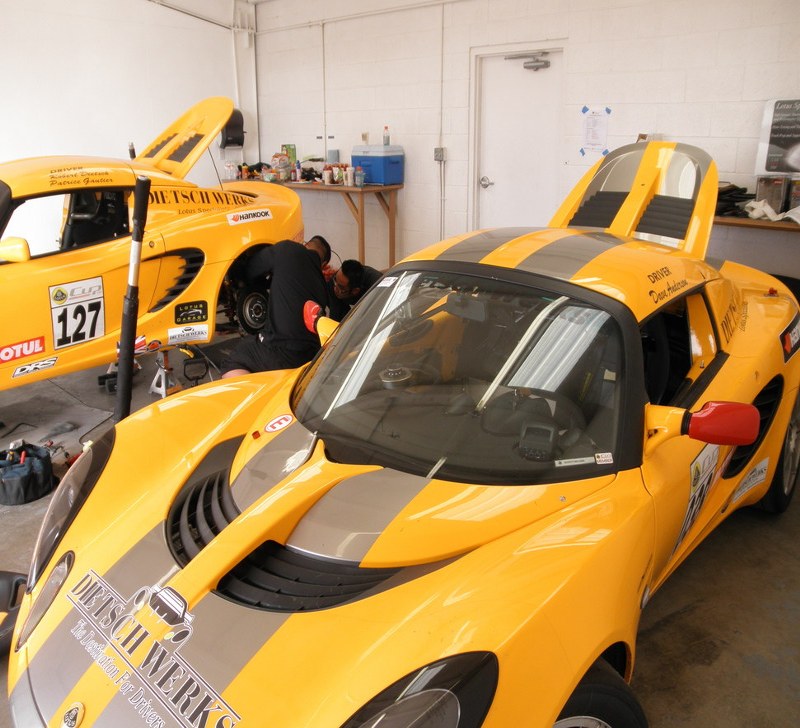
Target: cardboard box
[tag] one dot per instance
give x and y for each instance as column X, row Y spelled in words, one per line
column 382, row 164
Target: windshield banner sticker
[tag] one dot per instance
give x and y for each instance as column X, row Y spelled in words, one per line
column 146, row 669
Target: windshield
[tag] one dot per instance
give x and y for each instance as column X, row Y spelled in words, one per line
column 470, row 379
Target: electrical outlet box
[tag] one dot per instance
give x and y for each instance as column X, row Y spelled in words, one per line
column 438, row 154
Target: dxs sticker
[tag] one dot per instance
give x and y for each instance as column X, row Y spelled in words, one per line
column 278, row 423
column 238, row 218
column 756, row 476
column 35, row 366
column 77, row 312
column 187, row 333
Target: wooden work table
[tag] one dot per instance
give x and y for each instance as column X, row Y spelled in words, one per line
column 773, row 247
column 386, row 195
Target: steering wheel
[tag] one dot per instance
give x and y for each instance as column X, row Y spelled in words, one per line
column 565, row 408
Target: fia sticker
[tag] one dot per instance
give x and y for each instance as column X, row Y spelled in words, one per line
column 278, row 423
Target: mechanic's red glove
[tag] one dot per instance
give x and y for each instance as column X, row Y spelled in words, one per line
column 311, row 314
column 328, row 272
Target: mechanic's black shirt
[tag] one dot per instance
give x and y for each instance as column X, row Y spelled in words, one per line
column 296, row 278
column 339, row 307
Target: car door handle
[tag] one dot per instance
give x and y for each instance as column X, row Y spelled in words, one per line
column 485, row 182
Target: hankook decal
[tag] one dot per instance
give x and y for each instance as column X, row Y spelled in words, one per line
column 238, row 218
column 147, row 670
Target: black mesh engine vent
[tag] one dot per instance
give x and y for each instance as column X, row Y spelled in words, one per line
column 766, row 402
column 280, row 579
column 203, row 510
column 273, row 577
column 192, row 264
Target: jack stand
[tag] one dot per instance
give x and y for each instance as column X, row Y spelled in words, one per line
column 163, row 382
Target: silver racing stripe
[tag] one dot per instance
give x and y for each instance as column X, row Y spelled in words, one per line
column 65, row 656
column 476, row 247
column 346, row 521
column 269, row 466
column 565, row 257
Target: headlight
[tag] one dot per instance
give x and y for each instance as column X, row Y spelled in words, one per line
column 67, row 501
column 452, row 693
column 49, row 591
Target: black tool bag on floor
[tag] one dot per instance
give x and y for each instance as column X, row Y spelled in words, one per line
column 26, row 474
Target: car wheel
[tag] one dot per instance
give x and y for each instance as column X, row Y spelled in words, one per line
column 784, row 482
column 602, row 700
column 251, row 309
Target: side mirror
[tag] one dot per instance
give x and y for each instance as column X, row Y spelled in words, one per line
column 14, row 250
column 316, row 323
column 717, row 423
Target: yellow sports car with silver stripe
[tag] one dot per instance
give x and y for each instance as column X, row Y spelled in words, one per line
column 454, row 516
column 65, row 239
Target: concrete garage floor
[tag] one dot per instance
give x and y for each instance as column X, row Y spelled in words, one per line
column 719, row 645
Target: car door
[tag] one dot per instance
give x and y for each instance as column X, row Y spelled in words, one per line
column 684, row 364
column 62, row 306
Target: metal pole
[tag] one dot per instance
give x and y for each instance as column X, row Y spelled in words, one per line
column 130, row 305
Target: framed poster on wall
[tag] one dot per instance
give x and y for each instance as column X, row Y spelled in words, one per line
column 779, row 143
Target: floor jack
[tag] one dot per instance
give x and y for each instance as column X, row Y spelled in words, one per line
column 109, row 379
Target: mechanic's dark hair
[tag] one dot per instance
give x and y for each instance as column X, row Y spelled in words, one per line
column 354, row 271
column 325, row 246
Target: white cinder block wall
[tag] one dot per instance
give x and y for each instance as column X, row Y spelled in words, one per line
column 89, row 76
column 696, row 71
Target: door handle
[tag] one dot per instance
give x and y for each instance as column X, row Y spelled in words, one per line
column 485, row 182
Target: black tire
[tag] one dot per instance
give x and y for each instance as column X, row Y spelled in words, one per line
column 251, row 309
column 602, row 700
column 784, row 482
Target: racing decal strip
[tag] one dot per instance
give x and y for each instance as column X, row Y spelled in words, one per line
column 64, row 654
column 565, row 257
column 476, row 247
column 349, row 519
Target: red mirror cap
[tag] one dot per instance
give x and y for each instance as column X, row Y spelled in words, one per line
column 724, row 423
column 311, row 313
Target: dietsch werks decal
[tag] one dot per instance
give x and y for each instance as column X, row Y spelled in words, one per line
column 147, row 670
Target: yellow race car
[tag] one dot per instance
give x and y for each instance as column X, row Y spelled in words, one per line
column 65, row 238
column 454, row 516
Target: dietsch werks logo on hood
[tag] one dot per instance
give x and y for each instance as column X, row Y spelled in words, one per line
column 148, row 671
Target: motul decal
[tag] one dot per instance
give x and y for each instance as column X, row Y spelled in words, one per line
column 22, row 349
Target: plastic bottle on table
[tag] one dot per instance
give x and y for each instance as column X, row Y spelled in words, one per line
column 386, row 136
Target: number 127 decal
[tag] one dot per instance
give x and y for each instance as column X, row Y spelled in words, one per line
column 77, row 312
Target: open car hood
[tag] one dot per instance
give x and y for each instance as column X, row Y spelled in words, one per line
column 177, row 149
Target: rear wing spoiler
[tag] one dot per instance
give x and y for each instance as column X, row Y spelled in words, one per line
column 658, row 191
